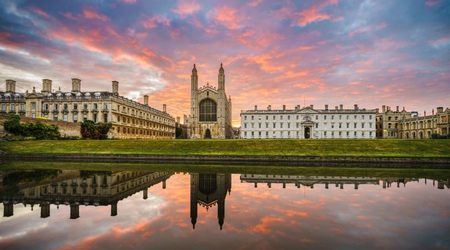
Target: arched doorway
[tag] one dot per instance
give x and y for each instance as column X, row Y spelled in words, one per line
column 307, row 132
column 207, row 134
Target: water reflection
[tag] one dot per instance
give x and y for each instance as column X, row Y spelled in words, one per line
column 116, row 209
column 74, row 188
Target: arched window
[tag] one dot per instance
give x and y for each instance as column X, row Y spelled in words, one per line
column 208, row 110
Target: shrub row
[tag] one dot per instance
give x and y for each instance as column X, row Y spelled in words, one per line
column 37, row 130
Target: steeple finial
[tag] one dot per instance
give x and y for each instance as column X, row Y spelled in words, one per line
column 194, row 69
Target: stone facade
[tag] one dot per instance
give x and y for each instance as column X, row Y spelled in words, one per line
column 129, row 118
column 307, row 122
column 423, row 127
column 388, row 121
column 210, row 109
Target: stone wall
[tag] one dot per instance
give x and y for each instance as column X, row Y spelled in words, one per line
column 67, row 129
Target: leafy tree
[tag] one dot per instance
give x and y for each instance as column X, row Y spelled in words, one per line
column 12, row 124
column 92, row 130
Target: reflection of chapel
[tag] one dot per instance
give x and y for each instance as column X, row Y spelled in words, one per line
column 209, row 190
column 210, row 109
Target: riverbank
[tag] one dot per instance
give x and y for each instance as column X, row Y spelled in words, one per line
column 378, row 153
column 265, row 148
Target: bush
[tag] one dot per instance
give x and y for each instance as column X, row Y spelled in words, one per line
column 37, row 130
column 92, row 130
column 12, row 124
column 438, row 136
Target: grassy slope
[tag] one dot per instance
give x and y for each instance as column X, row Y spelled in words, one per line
column 399, row 148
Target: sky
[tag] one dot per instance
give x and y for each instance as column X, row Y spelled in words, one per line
column 275, row 53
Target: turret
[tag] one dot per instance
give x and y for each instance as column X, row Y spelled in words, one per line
column 76, row 85
column 194, row 80
column 221, row 79
column 46, row 85
column 115, row 87
column 10, row 86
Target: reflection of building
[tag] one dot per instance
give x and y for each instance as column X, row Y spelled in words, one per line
column 210, row 109
column 308, row 181
column 209, row 190
column 308, row 122
column 75, row 188
column 129, row 118
column 338, row 181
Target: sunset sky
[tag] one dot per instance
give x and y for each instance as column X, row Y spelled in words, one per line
column 274, row 52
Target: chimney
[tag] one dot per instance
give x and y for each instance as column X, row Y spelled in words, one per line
column 115, row 87
column 403, row 108
column 383, row 108
column 185, row 119
column 326, row 106
column 284, row 107
column 145, row 99
column 311, row 106
column 336, row 107
column 424, row 113
column 356, row 106
column 377, row 110
column 256, row 107
column 269, row 107
column 341, row 106
column 76, row 85
column 164, row 108
column 439, row 110
column 10, row 86
column 178, row 119
column 432, row 111
column 397, row 109
column 388, row 108
column 46, row 85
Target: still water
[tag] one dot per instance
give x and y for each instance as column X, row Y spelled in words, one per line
column 67, row 209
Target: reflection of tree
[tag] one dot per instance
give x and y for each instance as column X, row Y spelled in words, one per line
column 12, row 180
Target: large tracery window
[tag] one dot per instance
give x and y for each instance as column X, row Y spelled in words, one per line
column 208, row 110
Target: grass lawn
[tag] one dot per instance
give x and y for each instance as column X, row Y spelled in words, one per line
column 270, row 147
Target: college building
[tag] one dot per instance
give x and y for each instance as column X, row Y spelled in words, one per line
column 409, row 125
column 210, row 109
column 129, row 119
column 308, row 122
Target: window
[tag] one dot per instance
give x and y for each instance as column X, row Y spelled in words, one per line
column 75, row 106
column 208, row 110
column 105, row 118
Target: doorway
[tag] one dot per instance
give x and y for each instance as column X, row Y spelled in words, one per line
column 307, row 132
column 207, row 134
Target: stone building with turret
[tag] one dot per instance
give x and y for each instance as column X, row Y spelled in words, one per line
column 210, row 109
column 130, row 119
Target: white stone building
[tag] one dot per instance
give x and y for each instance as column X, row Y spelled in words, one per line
column 307, row 122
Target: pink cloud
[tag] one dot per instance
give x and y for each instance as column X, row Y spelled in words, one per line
column 186, row 8
column 227, row 16
column 40, row 12
column 152, row 22
column 129, row 1
column 311, row 15
column 431, row 3
column 92, row 14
